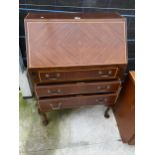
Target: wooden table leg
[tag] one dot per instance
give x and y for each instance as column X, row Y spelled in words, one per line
column 106, row 113
column 44, row 117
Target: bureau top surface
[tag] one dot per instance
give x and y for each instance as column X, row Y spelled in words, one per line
column 73, row 40
column 57, row 16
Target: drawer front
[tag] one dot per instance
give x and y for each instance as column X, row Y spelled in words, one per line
column 46, row 105
column 54, row 76
column 76, row 88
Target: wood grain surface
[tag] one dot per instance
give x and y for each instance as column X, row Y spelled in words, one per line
column 75, row 41
column 46, row 105
column 76, row 88
column 124, row 110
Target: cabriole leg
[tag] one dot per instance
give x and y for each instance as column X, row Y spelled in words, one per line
column 44, row 117
column 106, row 113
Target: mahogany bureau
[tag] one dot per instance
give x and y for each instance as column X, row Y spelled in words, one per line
column 75, row 59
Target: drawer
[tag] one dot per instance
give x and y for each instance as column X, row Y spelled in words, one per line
column 46, row 105
column 76, row 88
column 75, row 75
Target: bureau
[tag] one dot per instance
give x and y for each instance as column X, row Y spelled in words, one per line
column 75, row 59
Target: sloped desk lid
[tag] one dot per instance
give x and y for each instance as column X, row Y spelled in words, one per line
column 69, row 40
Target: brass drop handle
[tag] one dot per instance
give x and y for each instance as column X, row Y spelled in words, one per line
column 103, row 74
column 77, row 18
column 103, row 87
column 108, row 86
column 101, row 101
column 48, row 76
column 110, row 72
column 56, row 107
column 54, row 92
